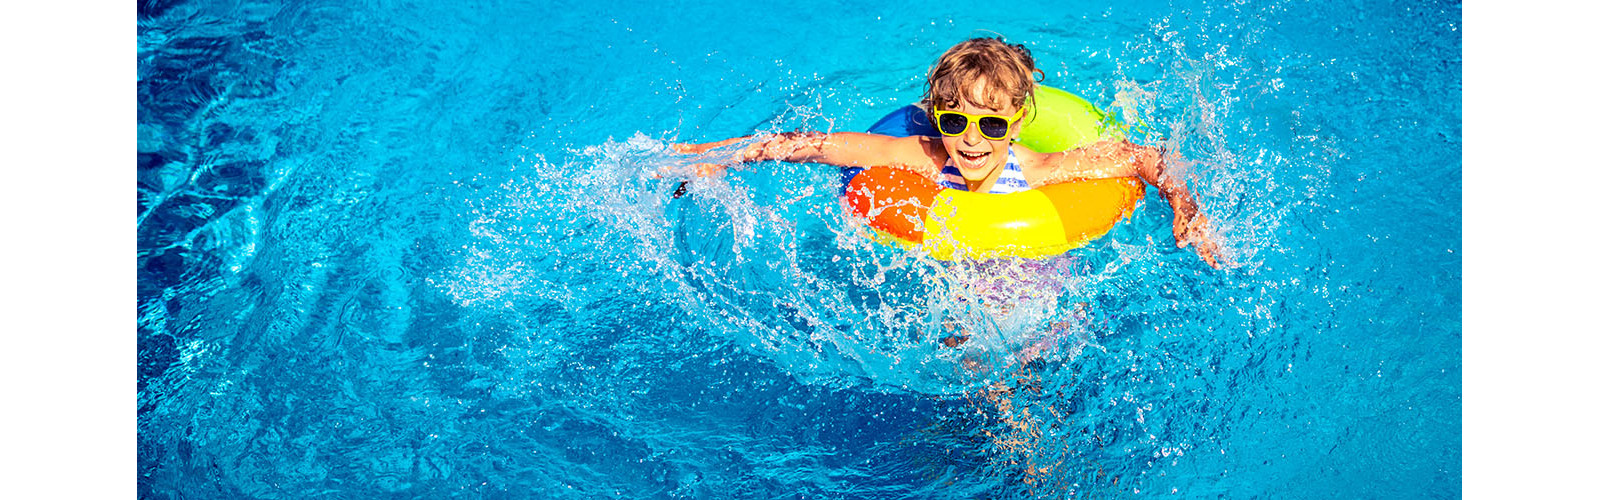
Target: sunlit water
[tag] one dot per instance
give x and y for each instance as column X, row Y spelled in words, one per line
column 418, row 250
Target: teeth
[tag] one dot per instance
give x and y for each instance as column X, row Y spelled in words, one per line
column 973, row 160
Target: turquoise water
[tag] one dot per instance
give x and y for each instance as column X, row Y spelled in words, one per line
column 416, row 250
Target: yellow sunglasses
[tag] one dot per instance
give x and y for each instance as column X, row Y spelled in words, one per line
column 993, row 127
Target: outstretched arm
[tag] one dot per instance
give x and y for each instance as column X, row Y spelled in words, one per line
column 1109, row 159
column 844, row 149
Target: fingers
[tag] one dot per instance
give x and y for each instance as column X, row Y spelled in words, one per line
column 1196, row 232
column 709, row 169
column 698, row 169
column 694, row 149
column 1203, row 246
column 1208, row 252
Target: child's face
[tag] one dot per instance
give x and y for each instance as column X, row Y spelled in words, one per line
column 976, row 156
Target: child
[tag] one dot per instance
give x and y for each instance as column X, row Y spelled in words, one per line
column 975, row 97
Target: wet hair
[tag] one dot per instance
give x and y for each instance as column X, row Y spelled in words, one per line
column 1007, row 71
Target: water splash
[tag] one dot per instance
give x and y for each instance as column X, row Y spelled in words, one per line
column 343, row 294
column 769, row 264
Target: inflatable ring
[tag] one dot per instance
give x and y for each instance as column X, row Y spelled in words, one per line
column 906, row 208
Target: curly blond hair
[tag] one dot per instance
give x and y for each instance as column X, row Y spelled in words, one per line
column 1005, row 70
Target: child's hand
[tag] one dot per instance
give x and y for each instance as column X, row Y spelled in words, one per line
column 700, row 169
column 708, row 169
column 696, row 149
column 1189, row 226
column 1196, row 230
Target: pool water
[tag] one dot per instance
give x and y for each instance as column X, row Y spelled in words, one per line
column 418, row 249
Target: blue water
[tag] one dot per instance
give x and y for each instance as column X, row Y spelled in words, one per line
column 416, row 250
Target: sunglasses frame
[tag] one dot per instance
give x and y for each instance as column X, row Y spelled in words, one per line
column 972, row 119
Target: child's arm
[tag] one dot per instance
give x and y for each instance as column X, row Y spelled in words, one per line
column 844, row 149
column 1109, row 159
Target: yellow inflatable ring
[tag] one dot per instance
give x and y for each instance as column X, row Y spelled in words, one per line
column 949, row 223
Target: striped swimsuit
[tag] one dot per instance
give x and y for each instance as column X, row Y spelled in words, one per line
column 1010, row 181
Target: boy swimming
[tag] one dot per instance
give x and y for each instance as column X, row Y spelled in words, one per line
column 976, row 96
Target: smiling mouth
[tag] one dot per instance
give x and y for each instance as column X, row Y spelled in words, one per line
column 972, row 160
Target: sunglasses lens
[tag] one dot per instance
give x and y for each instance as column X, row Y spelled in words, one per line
column 952, row 124
column 992, row 127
